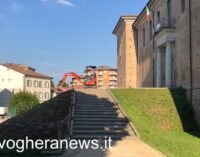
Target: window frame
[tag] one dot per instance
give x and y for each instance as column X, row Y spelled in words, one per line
column 40, row 84
column 29, row 83
column 144, row 36
column 46, row 84
column 183, row 5
column 150, row 30
column 35, row 84
column 158, row 17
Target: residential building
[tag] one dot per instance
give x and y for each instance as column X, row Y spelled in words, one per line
column 166, row 47
column 106, row 77
column 16, row 77
column 76, row 83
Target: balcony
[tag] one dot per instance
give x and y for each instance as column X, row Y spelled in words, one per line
column 113, row 79
column 113, row 73
column 165, row 23
column 165, row 31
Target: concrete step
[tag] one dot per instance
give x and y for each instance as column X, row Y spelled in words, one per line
column 100, row 123
column 100, row 119
column 97, row 116
column 93, row 102
column 100, row 137
column 98, row 106
column 92, row 96
column 99, row 132
column 96, row 113
column 96, row 103
column 99, row 127
column 96, row 110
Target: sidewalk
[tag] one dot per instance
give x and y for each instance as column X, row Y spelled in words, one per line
column 127, row 147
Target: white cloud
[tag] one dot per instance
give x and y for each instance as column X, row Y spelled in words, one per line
column 65, row 2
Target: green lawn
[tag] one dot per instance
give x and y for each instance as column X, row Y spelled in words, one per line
column 161, row 116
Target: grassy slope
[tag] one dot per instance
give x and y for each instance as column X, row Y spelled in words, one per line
column 153, row 112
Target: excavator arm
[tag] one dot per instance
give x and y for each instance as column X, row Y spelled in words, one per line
column 88, row 81
column 74, row 75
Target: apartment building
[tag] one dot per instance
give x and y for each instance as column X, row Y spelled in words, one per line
column 77, row 84
column 16, row 77
column 166, row 47
column 106, row 77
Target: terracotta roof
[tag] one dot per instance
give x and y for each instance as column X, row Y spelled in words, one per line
column 105, row 68
column 28, row 71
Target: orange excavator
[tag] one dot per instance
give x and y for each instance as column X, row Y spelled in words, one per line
column 88, row 80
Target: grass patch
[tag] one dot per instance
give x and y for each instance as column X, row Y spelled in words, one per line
column 161, row 117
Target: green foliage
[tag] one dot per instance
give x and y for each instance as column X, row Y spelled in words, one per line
column 52, row 84
column 65, row 84
column 161, row 116
column 22, row 101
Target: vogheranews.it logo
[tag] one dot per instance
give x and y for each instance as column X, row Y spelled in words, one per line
column 21, row 145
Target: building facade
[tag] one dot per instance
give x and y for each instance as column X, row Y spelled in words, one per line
column 16, row 77
column 75, row 83
column 166, row 47
column 126, row 59
column 106, row 77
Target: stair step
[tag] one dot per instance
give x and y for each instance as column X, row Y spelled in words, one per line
column 101, row 137
column 97, row 103
column 102, row 127
column 92, row 101
column 96, row 116
column 101, row 119
column 96, row 110
column 105, row 123
column 99, row 132
column 96, row 113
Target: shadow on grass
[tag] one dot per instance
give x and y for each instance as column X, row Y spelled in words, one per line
column 185, row 111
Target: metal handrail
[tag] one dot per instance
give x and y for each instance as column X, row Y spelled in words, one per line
column 68, row 119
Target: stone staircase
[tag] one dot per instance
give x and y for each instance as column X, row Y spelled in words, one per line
column 96, row 116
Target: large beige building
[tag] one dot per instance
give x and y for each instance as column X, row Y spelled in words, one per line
column 126, row 56
column 166, row 49
column 16, row 77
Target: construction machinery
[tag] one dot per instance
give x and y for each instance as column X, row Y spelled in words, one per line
column 87, row 80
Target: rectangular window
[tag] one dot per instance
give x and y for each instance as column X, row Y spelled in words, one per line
column 150, row 30
column 46, row 85
column 144, row 37
column 182, row 5
column 29, row 83
column 158, row 16
column 35, row 83
column 40, row 84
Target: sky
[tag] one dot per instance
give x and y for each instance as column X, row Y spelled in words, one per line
column 59, row 36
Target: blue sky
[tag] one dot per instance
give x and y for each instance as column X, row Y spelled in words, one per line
column 58, row 36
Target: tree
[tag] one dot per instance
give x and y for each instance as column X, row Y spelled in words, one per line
column 22, row 101
column 52, row 84
column 65, row 84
